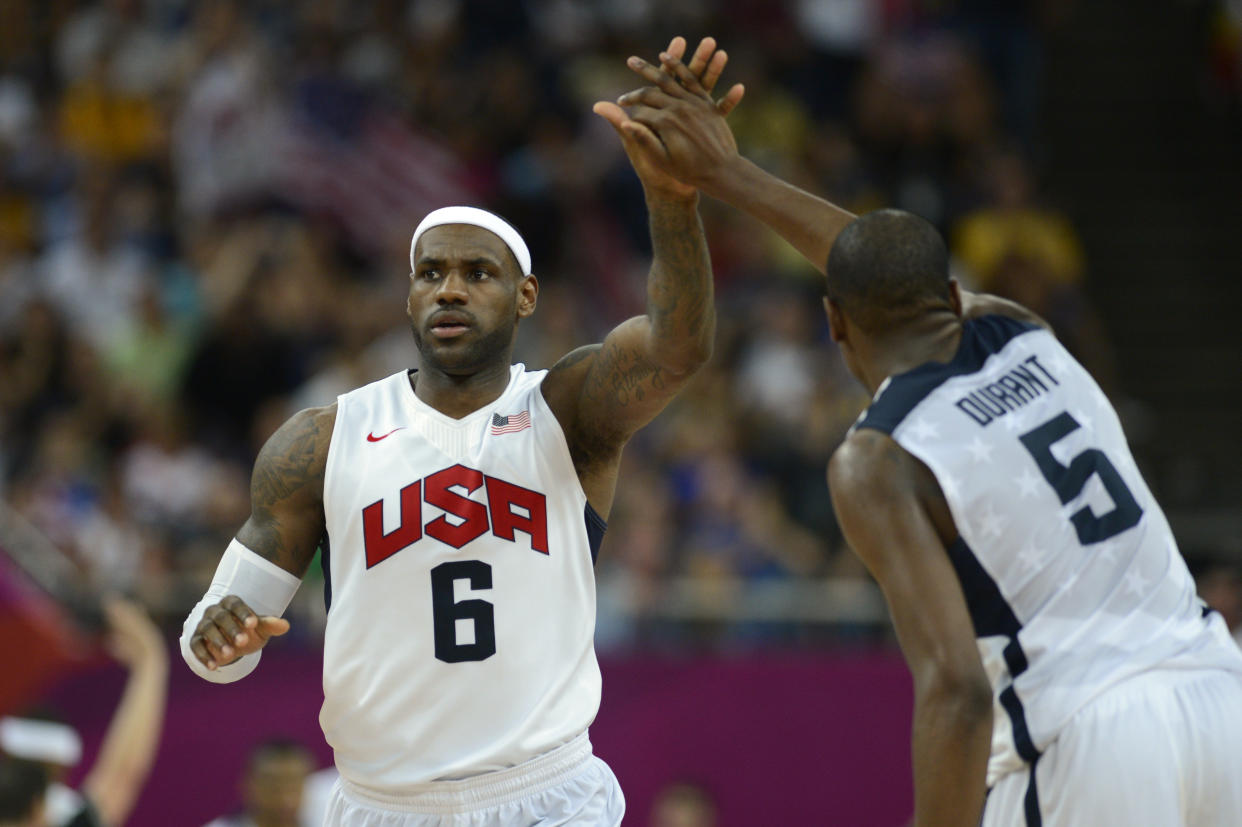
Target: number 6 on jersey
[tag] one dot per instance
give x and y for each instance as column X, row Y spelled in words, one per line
column 446, row 612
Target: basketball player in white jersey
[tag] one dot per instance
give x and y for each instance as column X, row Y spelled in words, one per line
column 1064, row 668
column 459, row 508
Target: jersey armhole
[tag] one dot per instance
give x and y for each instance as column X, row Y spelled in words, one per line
column 562, row 443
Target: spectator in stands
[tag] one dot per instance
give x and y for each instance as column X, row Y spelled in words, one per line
column 22, row 787
column 112, row 785
column 683, row 804
column 1018, row 248
column 1220, row 585
column 273, row 786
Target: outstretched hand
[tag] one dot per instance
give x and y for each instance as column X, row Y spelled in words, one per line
column 707, row 64
column 676, row 119
column 647, row 154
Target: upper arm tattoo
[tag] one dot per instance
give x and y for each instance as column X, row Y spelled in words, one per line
column 623, row 376
column 286, row 492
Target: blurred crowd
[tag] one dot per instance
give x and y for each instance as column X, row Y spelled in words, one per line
column 205, row 209
column 1224, row 51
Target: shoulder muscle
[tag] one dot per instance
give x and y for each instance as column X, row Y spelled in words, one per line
column 286, row 490
column 975, row 305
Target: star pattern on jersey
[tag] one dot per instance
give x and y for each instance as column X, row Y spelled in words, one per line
column 979, row 450
column 991, row 524
column 1031, row 556
column 1028, row 483
column 1135, row 583
column 1059, row 365
column 922, row 430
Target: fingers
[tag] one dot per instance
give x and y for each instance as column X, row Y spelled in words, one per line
column 628, row 123
column 715, row 68
column 611, row 112
column 685, row 78
column 731, row 99
column 199, row 648
column 704, row 59
column 642, row 136
column 229, row 626
column 655, row 75
column 240, row 610
column 272, row 626
column 225, row 632
column 217, row 649
column 677, row 47
column 647, row 96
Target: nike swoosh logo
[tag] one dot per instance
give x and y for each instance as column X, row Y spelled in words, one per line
column 373, row 438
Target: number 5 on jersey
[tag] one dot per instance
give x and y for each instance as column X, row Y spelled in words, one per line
column 1070, row 480
column 446, row 612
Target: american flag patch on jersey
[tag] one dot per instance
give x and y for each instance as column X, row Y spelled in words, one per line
column 510, row 424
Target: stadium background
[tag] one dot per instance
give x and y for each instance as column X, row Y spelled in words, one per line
column 204, row 216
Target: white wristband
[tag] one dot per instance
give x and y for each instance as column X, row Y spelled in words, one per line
column 264, row 586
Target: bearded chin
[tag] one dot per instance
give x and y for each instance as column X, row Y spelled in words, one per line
column 457, row 360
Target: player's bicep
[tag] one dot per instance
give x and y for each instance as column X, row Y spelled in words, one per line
column 604, row 393
column 876, row 500
column 286, row 492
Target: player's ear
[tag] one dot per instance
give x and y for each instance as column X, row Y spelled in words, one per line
column 955, row 296
column 528, row 294
column 836, row 321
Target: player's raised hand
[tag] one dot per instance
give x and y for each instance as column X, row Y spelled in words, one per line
column 132, row 637
column 707, row 64
column 230, row 630
column 696, row 143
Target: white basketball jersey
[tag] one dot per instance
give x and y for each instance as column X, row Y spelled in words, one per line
column 1071, row 574
column 461, row 588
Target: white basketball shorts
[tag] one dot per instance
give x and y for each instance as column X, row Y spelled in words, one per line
column 568, row 785
column 1161, row 750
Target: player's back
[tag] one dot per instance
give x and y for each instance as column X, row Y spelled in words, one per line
column 462, row 612
column 1070, row 570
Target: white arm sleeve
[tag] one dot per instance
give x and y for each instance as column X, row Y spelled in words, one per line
column 264, row 586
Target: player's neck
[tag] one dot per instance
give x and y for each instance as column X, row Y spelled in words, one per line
column 934, row 338
column 458, row 395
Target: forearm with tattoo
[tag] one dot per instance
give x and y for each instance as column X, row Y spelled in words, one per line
column 680, row 305
column 286, row 492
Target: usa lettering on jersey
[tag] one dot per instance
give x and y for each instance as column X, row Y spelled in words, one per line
column 509, row 508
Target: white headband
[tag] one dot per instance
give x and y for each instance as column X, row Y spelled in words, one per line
column 40, row 741
column 479, row 218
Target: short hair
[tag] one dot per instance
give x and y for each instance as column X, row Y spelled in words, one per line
column 887, row 267
column 22, row 785
column 276, row 748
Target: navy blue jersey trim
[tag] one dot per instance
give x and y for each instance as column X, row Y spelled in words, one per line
column 992, row 615
column 325, row 563
column 1030, row 803
column 595, row 527
column 990, row 612
column 981, row 338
